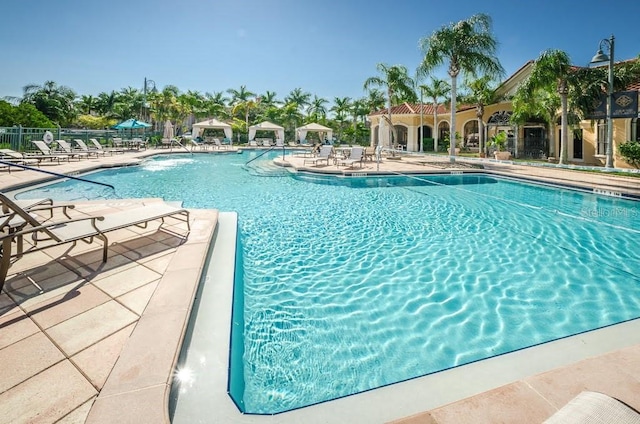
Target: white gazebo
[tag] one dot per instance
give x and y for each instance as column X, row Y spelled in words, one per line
column 302, row 131
column 266, row 126
column 212, row 123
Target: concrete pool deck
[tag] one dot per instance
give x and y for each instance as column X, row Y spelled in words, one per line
column 99, row 342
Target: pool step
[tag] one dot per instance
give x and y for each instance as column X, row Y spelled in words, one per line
column 266, row 169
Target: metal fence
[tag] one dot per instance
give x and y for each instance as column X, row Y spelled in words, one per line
column 19, row 138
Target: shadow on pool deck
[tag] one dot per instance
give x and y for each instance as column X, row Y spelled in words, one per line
column 98, row 343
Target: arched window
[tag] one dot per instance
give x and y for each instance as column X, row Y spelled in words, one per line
column 471, row 133
column 443, row 130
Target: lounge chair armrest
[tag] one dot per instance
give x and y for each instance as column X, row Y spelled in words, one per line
column 31, row 230
column 50, row 207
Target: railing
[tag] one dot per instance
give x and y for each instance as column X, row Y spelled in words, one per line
column 30, row 168
column 264, row 153
column 19, row 138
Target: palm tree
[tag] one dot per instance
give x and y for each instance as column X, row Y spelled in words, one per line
column 239, row 101
column 290, row 116
column 481, row 93
column 299, row 98
column 538, row 104
column 437, row 90
column 358, row 110
column 55, row 101
column 396, row 80
column 106, row 104
column 470, row 47
column 87, row 104
column 375, row 100
column 317, row 109
column 341, row 108
column 269, row 99
column 216, row 105
column 552, row 71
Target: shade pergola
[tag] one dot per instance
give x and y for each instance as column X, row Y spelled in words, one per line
column 212, row 123
column 302, row 131
column 266, row 126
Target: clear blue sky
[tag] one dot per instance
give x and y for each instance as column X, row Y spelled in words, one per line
column 328, row 48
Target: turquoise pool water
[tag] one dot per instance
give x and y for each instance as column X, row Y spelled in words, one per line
column 352, row 284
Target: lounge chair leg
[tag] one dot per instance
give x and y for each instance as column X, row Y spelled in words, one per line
column 5, row 262
column 105, row 246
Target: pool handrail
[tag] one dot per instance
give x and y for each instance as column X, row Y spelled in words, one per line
column 30, row 168
column 264, row 153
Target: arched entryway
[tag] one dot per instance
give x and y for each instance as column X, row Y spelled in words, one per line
column 443, row 135
column 500, row 121
column 402, row 133
column 428, row 133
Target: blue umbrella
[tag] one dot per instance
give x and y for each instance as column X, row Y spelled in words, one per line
column 131, row 124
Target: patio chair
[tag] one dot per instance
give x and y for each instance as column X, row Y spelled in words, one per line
column 68, row 150
column 596, row 408
column 218, row 145
column 266, row 142
column 47, row 153
column 355, row 156
column 17, row 222
column 325, row 154
column 369, row 153
column 99, row 147
column 253, row 143
column 90, row 152
column 196, row 144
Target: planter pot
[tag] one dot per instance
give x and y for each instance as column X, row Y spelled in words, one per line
column 502, row 155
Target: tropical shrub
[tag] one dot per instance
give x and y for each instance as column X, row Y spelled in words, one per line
column 24, row 114
column 630, row 151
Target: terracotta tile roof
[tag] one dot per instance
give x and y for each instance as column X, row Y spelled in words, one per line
column 634, row 86
column 410, row 109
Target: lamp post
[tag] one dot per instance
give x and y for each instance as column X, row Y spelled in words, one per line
column 147, row 83
column 598, row 58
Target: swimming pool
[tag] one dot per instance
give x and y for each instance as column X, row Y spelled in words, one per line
column 351, row 284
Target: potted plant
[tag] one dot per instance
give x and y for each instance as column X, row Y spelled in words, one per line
column 447, row 143
column 499, row 141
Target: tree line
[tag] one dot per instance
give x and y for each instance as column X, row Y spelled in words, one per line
column 466, row 48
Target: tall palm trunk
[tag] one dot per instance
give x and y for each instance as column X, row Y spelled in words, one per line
column 562, row 88
column 452, row 128
column 390, row 121
column 435, row 125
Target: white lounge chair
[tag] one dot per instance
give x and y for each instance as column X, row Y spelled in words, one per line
column 325, row 154
column 218, row 144
column 266, row 142
column 11, row 156
column 253, row 143
column 45, row 234
column 47, row 153
column 90, row 152
column 68, row 150
column 100, row 147
column 355, row 156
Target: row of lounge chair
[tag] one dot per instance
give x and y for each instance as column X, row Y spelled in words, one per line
column 67, row 152
column 42, row 226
